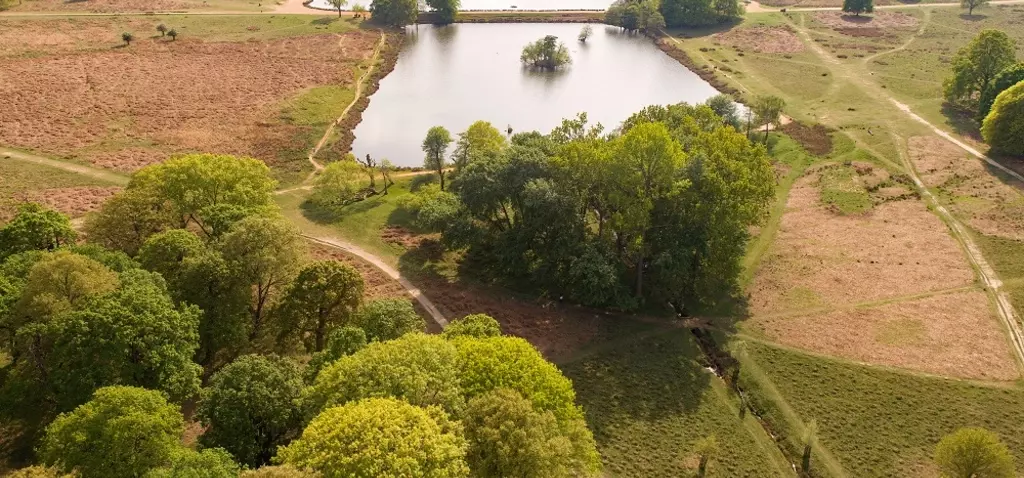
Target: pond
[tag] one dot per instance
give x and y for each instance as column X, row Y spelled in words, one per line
column 452, row 76
column 500, row 4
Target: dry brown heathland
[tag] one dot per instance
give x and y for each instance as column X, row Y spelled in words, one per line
column 989, row 205
column 762, row 39
column 953, row 334
column 124, row 108
column 823, row 259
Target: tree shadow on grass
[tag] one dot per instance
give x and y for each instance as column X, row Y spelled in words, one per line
column 962, row 121
column 650, row 379
column 1015, row 163
column 972, row 18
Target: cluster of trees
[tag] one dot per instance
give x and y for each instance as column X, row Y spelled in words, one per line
column 547, row 53
column 652, row 15
column 633, row 16
column 987, row 80
column 400, row 13
column 351, row 180
column 658, row 211
column 193, row 288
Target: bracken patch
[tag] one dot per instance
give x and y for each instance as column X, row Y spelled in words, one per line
column 762, row 39
column 820, row 259
column 953, row 334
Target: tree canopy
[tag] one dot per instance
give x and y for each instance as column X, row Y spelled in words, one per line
column 386, row 319
column 691, row 13
column 380, row 437
column 508, row 437
column 324, row 296
column 252, row 406
column 480, row 139
column 120, row 432
column 446, row 9
column 397, row 13
column 435, row 146
column 636, row 15
column 1010, row 76
column 857, row 7
column 620, row 219
column 473, row 325
column 35, row 228
column 976, row 65
column 188, row 463
column 420, row 369
column 1003, row 128
column 974, row 453
column 547, row 53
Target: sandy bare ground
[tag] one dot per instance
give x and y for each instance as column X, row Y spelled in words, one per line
column 953, row 334
column 762, row 39
column 988, row 205
column 821, row 259
column 124, row 108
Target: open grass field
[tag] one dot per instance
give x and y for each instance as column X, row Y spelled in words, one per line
column 82, row 96
column 67, row 192
column 875, row 422
column 649, row 400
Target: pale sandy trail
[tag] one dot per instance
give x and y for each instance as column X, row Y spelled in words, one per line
column 95, row 173
column 386, row 269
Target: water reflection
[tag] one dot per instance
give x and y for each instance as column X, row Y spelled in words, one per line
column 455, row 75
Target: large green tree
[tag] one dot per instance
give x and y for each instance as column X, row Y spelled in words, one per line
column 1010, row 76
column 976, row 64
column 446, row 9
column 35, row 228
column 481, row 138
column 698, row 12
column 265, row 254
column 473, row 325
column 129, row 217
column 508, row 437
column 323, row 297
column 120, row 432
column 60, row 282
column 132, row 336
column 857, row 7
column 1003, row 128
column 198, row 274
column 398, row 13
column 380, row 437
column 252, row 406
column 974, row 453
column 420, row 369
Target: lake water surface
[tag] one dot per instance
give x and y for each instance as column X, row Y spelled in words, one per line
column 501, row 4
column 452, row 76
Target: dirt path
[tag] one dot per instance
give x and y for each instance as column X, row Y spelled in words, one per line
column 360, row 85
column 96, row 173
column 384, row 267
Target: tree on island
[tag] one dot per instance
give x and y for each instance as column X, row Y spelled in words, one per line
column 970, row 5
column 547, row 53
column 585, row 33
column 857, row 7
column 338, row 4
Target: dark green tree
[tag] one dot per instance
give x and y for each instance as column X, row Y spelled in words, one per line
column 446, row 9
column 857, row 7
column 1003, row 81
column 252, row 406
column 324, row 296
column 976, row 65
column 1003, row 128
column 397, row 13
